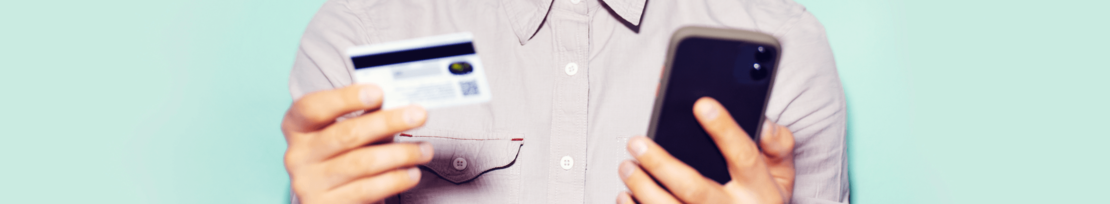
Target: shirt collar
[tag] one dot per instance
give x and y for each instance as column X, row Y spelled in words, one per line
column 526, row 16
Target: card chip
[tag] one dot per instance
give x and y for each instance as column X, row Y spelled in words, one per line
column 469, row 88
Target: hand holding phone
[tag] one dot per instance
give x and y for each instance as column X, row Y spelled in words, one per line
column 760, row 174
column 722, row 151
column 735, row 67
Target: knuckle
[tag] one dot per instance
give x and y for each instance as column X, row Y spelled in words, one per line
column 400, row 180
column 346, row 136
column 365, row 159
column 299, row 108
column 391, row 120
column 312, row 115
column 341, row 136
column 308, row 112
column 396, row 181
column 294, row 120
column 287, row 123
column 412, row 155
column 293, row 159
column 297, row 187
column 300, row 188
column 394, row 158
column 732, row 130
column 292, row 138
column 650, row 163
column 395, row 120
column 694, row 194
column 747, row 160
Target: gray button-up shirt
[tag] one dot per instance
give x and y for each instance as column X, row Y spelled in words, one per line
column 515, row 149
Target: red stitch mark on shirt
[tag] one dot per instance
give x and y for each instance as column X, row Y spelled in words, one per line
column 455, row 138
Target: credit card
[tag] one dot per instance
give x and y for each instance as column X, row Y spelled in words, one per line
column 434, row 72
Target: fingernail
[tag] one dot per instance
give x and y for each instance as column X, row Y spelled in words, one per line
column 768, row 128
column 414, row 114
column 626, row 169
column 708, row 112
column 414, row 174
column 426, row 150
column 368, row 94
column 636, row 146
column 620, row 198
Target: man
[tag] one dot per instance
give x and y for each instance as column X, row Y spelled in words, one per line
column 573, row 82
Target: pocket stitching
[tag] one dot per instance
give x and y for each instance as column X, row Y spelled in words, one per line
column 476, row 176
column 481, row 142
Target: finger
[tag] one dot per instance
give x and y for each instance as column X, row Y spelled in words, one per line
column 625, row 198
column 374, row 160
column 376, row 188
column 318, row 109
column 642, row 186
column 683, row 181
column 357, row 132
column 744, row 159
column 777, row 144
column 658, row 85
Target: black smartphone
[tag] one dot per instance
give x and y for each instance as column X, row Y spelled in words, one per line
column 735, row 67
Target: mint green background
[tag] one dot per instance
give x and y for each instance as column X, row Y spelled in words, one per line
column 129, row 101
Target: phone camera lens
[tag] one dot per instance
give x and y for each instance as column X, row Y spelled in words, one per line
column 763, row 54
column 758, row 72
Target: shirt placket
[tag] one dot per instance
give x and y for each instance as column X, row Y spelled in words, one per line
column 569, row 22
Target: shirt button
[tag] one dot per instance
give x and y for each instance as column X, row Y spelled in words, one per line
column 575, row 1
column 459, row 164
column 571, row 69
column 567, row 162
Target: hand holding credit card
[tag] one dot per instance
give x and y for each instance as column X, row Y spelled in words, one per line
column 434, row 72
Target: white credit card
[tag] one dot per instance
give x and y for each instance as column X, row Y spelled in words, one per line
column 434, row 72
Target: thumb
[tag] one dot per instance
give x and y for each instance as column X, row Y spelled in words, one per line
column 743, row 157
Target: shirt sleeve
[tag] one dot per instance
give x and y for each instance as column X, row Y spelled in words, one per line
column 321, row 62
column 808, row 99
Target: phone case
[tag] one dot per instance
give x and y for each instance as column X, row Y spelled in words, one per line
column 681, row 138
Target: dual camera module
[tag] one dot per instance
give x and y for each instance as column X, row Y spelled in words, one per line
column 759, row 69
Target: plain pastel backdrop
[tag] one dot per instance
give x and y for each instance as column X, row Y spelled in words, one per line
column 129, row 101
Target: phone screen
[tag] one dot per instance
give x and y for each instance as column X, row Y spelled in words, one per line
column 736, row 73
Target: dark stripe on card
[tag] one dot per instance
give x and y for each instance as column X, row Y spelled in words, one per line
column 403, row 56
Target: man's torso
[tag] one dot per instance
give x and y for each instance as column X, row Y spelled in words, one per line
column 569, row 86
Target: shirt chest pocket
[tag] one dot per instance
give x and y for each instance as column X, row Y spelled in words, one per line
column 467, row 168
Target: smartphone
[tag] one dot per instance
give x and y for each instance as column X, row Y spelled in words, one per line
column 736, row 67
